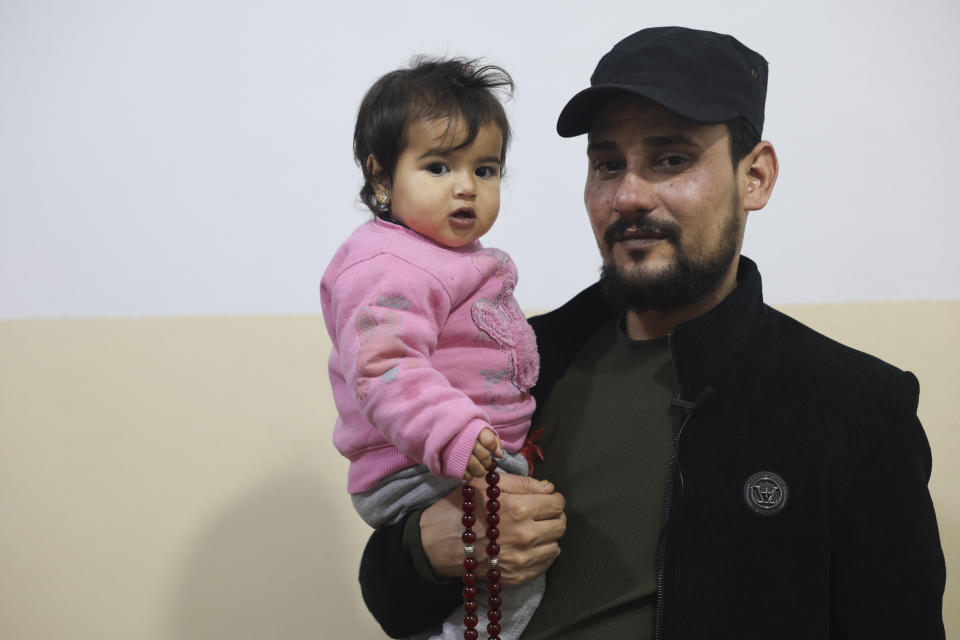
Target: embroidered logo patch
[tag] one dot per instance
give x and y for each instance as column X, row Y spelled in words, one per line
column 765, row 493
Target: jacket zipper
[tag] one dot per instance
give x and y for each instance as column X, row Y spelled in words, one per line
column 668, row 490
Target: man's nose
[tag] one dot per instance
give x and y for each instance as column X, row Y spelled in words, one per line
column 635, row 194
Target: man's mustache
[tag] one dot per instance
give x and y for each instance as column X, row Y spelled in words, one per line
column 668, row 230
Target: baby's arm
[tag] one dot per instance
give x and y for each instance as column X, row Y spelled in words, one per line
column 487, row 444
column 387, row 316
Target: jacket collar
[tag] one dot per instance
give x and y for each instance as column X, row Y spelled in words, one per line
column 711, row 339
column 699, row 344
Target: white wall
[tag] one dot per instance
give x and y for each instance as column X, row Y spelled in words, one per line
column 193, row 157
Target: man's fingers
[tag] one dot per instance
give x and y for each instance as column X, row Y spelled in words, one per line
column 540, row 533
column 520, row 507
column 524, row 565
column 529, row 498
column 532, row 521
column 531, row 524
column 550, row 507
column 510, row 483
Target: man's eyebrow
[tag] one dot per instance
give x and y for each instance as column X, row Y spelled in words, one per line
column 652, row 141
column 602, row 145
column 664, row 141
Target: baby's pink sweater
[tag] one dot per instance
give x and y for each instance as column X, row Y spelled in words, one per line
column 430, row 346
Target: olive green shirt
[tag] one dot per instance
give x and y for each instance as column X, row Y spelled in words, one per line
column 607, row 415
column 607, row 440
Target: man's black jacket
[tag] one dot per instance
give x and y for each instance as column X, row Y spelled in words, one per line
column 798, row 502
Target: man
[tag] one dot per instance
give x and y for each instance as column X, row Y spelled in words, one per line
column 725, row 471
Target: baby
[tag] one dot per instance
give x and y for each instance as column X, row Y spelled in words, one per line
column 432, row 360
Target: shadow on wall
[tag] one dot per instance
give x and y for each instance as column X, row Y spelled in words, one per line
column 274, row 565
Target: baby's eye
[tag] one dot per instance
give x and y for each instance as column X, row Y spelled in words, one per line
column 437, row 168
column 486, row 172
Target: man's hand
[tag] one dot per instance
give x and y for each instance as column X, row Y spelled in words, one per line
column 531, row 523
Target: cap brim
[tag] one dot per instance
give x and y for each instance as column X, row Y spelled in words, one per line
column 579, row 112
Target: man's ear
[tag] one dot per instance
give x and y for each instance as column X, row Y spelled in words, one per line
column 378, row 177
column 759, row 171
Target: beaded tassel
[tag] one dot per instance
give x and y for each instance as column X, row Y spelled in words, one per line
column 469, row 537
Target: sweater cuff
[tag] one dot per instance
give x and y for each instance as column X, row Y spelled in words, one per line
column 461, row 448
column 413, row 545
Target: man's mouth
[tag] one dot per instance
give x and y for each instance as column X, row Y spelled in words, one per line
column 640, row 232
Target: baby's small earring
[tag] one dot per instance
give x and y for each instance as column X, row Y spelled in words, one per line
column 384, row 200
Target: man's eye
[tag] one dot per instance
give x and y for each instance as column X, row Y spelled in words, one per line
column 486, row 172
column 607, row 166
column 668, row 162
column 437, row 168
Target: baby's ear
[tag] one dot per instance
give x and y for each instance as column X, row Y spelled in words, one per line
column 376, row 173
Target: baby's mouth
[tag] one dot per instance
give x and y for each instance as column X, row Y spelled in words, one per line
column 464, row 212
column 463, row 218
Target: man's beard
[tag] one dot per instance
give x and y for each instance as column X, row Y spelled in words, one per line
column 682, row 283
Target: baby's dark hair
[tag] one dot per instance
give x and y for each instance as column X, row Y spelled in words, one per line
column 430, row 88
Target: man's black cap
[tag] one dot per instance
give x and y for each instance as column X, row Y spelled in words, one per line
column 700, row 75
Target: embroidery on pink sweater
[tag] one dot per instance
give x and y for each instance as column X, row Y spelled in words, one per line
column 502, row 319
column 500, row 391
column 490, row 262
column 380, row 349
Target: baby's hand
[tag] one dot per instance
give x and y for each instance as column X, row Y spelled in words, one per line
column 487, row 443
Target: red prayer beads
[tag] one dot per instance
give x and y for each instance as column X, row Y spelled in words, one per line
column 469, row 537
